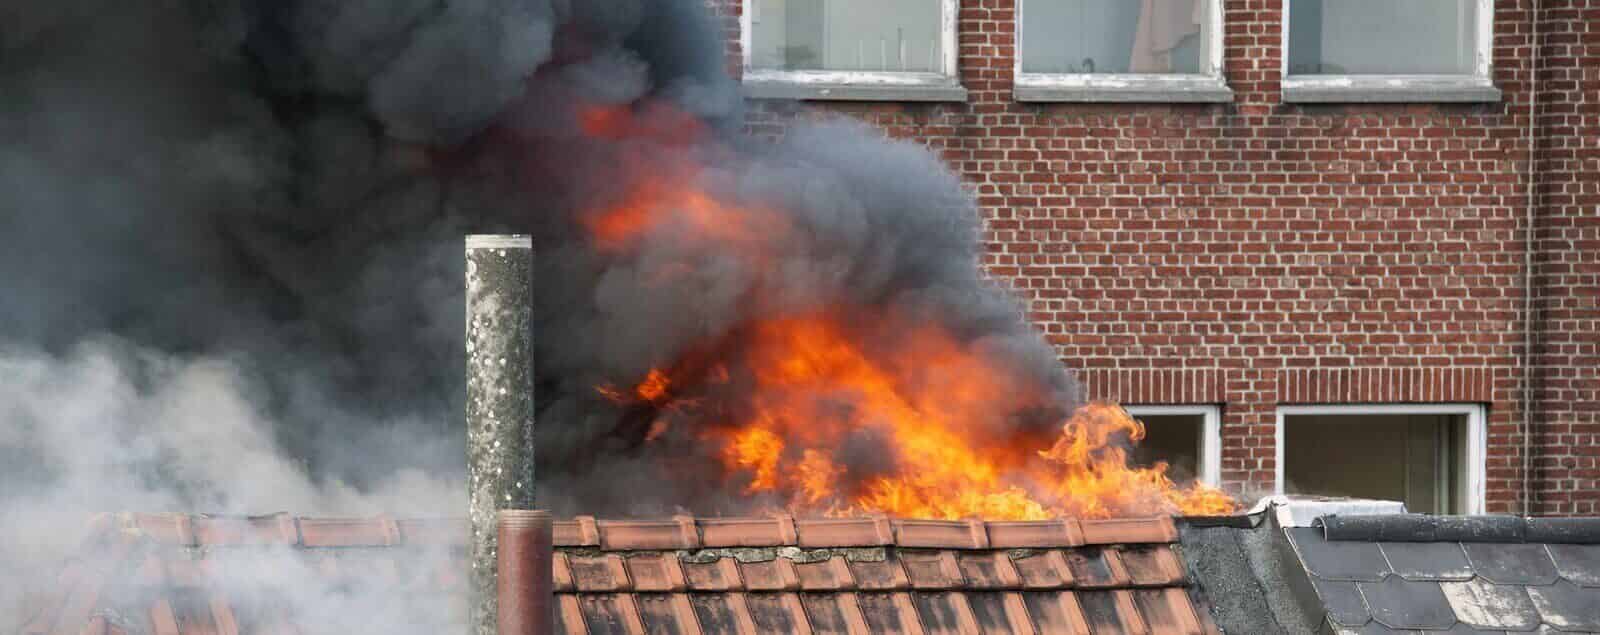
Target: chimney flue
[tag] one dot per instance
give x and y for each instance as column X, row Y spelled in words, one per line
column 500, row 402
column 526, row 595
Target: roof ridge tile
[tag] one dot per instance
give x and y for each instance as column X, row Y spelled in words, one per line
column 1111, row 531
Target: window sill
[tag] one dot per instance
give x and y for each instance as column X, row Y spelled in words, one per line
column 1388, row 89
column 849, row 86
column 1122, row 89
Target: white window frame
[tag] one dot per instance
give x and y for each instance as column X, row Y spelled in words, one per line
column 944, row 85
column 1207, row 86
column 1477, row 87
column 1210, row 434
column 1473, row 464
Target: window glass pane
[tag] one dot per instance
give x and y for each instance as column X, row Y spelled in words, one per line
column 847, row 35
column 1416, row 459
column 1366, row 37
column 1113, row 36
column 1174, row 439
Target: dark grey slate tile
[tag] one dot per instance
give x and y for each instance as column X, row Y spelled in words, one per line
column 1342, row 602
column 1483, row 604
column 1338, row 560
column 1507, row 563
column 1371, row 628
column 1428, row 560
column 1578, row 563
column 1568, row 607
column 1398, row 603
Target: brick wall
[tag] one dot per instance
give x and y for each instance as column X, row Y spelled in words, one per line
column 1567, row 260
column 1258, row 253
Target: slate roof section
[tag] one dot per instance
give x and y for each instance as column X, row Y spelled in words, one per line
column 167, row 574
column 1417, row 573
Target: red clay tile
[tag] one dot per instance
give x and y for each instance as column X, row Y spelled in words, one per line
column 598, row 573
column 722, row 575
column 1168, row 611
column 1038, row 534
column 778, row 613
column 832, row 574
column 1056, row 612
column 1096, row 568
column 610, row 612
column 1043, row 570
column 826, row 613
column 889, row 613
column 349, row 532
column 777, row 574
column 941, row 534
column 1128, row 531
column 581, row 531
column 937, row 570
column 667, row 613
column 569, row 614
column 989, row 570
column 844, row 532
column 1152, row 565
column 946, row 614
column 433, row 532
column 172, row 529
column 561, row 574
column 162, row 619
column 1112, row 612
column 222, row 615
column 258, row 530
column 627, row 535
column 721, row 613
column 656, row 572
column 748, row 532
column 885, row 575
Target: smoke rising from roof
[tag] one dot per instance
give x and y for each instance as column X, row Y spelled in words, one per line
column 230, row 268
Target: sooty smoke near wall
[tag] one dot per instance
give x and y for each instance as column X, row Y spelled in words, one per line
column 230, row 249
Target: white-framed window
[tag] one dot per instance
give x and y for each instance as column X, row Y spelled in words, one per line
column 1187, row 437
column 1388, row 51
column 1429, row 456
column 1120, row 51
column 890, row 50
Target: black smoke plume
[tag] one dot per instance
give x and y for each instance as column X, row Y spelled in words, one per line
column 230, row 248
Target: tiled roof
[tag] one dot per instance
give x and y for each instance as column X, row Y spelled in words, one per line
column 177, row 573
column 872, row 575
column 166, row 574
column 1380, row 574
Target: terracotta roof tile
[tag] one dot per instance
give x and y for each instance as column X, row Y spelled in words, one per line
column 719, row 575
column 748, row 532
column 1046, row 569
column 832, row 574
column 844, row 532
column 777, row 574
column 880, row 575
column 1043, row 533
column 680, row 575
column 948, row 534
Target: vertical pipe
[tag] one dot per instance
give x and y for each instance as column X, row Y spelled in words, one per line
column 525, row 588
column 500, row 401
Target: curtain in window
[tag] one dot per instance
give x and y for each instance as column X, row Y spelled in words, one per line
column 1163, row 25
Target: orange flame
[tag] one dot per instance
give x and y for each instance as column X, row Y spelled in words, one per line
column 930, row 410
column 816, row 391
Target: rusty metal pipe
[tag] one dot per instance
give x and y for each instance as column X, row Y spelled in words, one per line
column 525, row 592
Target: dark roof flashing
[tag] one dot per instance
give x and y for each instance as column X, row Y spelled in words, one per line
column 1468, row 529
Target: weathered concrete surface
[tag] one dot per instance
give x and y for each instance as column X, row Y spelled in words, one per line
column 500, row 401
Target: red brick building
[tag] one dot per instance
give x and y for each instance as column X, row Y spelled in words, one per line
column 1343, row 246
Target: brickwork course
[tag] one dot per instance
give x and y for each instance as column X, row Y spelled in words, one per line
column 1259, row 253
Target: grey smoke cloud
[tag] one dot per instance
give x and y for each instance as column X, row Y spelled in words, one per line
column 230, row 258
